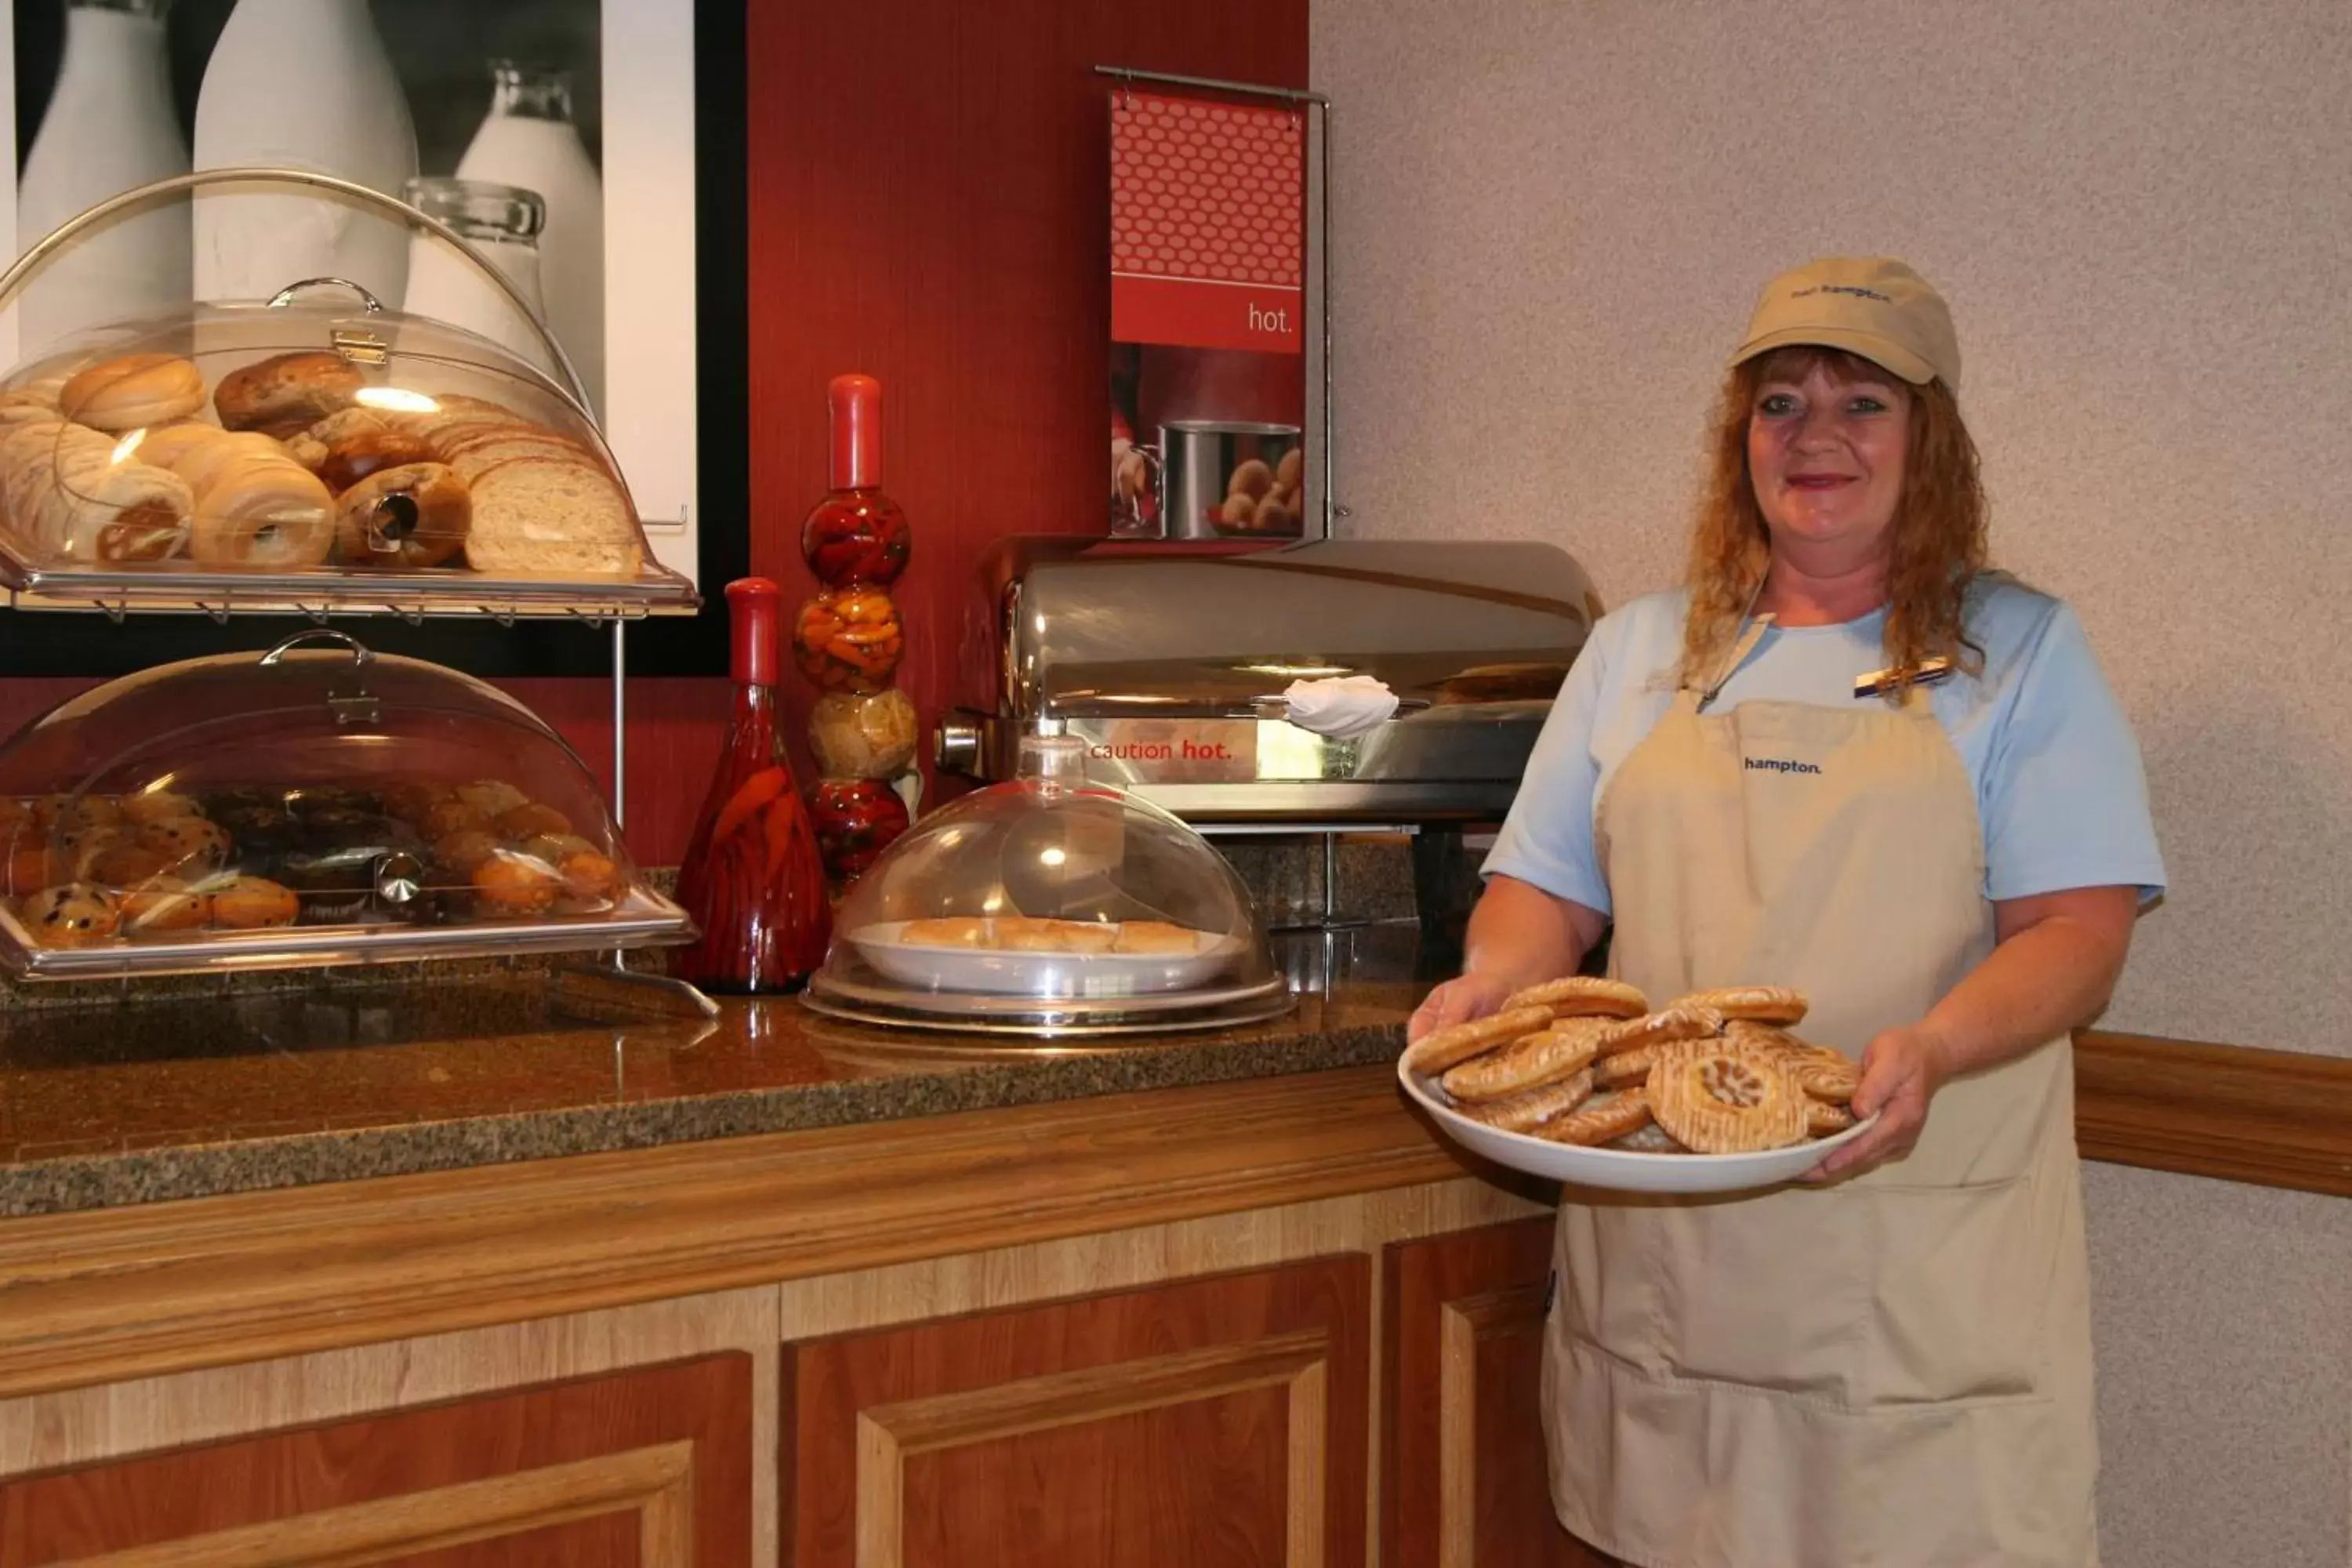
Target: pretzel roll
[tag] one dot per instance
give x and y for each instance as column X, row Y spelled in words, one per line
column 416, row 515
column 286, row 393
column 263, row 513
column 136, row 390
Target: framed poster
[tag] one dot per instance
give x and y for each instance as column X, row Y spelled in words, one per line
column 567, row 138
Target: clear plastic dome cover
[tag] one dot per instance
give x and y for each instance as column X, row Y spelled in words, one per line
column 1051, row 888
column 307, row 805
column 304, row 448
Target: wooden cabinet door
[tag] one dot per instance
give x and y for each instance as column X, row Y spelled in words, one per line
column 1464, row 1482
column 1214, row 1423
column 645, row 1468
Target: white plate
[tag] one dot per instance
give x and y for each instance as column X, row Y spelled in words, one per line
column 1624, row 1170
column 942, row 968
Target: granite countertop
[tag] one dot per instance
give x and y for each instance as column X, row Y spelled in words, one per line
column 148, row 1101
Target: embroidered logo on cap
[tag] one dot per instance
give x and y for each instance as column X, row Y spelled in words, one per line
column 1855, row 289
column 1781, row 766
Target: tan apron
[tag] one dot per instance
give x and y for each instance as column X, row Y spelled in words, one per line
column 1893, row 1372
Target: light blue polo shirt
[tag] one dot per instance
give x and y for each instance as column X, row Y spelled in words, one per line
column 2060, row 789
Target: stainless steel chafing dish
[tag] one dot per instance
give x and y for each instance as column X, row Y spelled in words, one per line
column 1171, row 665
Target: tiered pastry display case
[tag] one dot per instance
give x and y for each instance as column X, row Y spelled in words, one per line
column 1049, row 905
column 312, row 454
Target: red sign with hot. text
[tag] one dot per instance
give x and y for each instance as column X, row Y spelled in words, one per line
column 1207, row 226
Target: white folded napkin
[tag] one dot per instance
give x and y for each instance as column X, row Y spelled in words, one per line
column 1341, row 705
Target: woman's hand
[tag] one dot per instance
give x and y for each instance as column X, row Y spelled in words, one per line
column 1901, row 1071
column 1457, row 1001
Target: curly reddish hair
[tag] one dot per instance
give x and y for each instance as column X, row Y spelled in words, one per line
column 1936, row 542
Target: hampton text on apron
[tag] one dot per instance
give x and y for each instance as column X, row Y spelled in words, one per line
column 1893, row 1371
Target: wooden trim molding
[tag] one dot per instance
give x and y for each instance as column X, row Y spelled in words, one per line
column 108, row 1294
column 2275, row 1118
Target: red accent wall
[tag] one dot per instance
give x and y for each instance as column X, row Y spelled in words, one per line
column 926, row 203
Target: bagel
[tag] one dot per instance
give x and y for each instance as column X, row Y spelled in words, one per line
column 411, row 516
column 136, row 390
column 285, row 394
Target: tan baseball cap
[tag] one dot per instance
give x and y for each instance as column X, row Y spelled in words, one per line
column 1873, row 306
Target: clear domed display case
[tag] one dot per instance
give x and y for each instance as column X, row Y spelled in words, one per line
column 1049, row 905
column 308, row 451
column 313, row 804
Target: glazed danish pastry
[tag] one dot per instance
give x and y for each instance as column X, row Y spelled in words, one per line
column 1580, row 995
column 1685, row 1021
column 1604, row 1118
column 1568, row 1047
column 1764, row 1004
column 1726, row 1101
column 1530, row 1107
column 1440, row 1049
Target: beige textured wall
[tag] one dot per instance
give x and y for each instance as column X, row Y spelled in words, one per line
column 1552, row 217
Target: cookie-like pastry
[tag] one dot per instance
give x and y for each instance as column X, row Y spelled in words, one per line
column 946, row 931
column 1529, row 1108
column 1765, row 1003
column 190, row 846
column 1603, row 1119
column 1822, row 1119
column 126, row 864
column 1823, row 1077
column 162, row 904
column 1581, row 995
column 511, row 884
column 443, row 817
column 1649, row 1139
column 133, row 392
column 493, row 797
column 1019, row 933
column 1680, row 1022
column 158, row 806
column 1723, row 1101
column 531, row 819
column 1567, row 1046
column 589, row 879
column 74, row 914
column 1440, row 1049
column 250, row 903
column 1155, row 937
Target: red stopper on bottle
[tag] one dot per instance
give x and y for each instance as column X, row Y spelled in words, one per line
column 857, row 403
column 754, row 611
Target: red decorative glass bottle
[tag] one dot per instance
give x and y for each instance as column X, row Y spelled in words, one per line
column 751, row 878
column 848, row 642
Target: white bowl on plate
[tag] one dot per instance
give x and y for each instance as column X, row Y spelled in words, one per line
column 926, row 966
column 1623, row 1170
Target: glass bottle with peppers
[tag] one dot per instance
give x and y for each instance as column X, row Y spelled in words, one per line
column 848, row 641
column 752, row 878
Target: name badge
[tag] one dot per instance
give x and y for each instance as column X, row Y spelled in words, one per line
column 1879, row 682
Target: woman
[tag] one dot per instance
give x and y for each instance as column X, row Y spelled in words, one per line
column 1845, row 758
